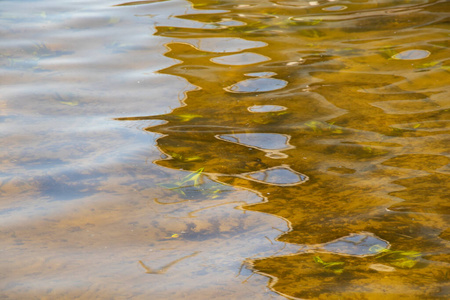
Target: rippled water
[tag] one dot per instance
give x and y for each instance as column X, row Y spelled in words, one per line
column 225, row 149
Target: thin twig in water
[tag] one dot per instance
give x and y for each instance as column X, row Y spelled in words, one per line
column 164, row 269
column 269, row 240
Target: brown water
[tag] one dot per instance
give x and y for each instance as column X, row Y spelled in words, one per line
column 225, row 149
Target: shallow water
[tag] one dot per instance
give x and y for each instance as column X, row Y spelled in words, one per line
column 220, row 149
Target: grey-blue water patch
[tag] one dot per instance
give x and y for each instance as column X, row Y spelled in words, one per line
column 280, row 176
column 335, row 8
column 261, row 74
column 263, row 141
column 358, row 244
column 256, row 85
column 266, row 108
column 240, row 59
column 413, row 54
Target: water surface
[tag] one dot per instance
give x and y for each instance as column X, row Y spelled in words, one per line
column 220, row 149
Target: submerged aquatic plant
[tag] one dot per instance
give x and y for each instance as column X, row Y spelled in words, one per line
column 192, row 179
column 183, row 158
column 29, row 56
column 337, row 267
column 186, row 117
column 320, row 127
column 194, row 183
column 388, row 52
column 397, row 258
column 303, row 21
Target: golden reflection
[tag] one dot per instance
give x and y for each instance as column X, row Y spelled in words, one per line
column 343, row 117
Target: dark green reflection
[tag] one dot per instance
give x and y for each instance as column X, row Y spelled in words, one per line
column 356, row 141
